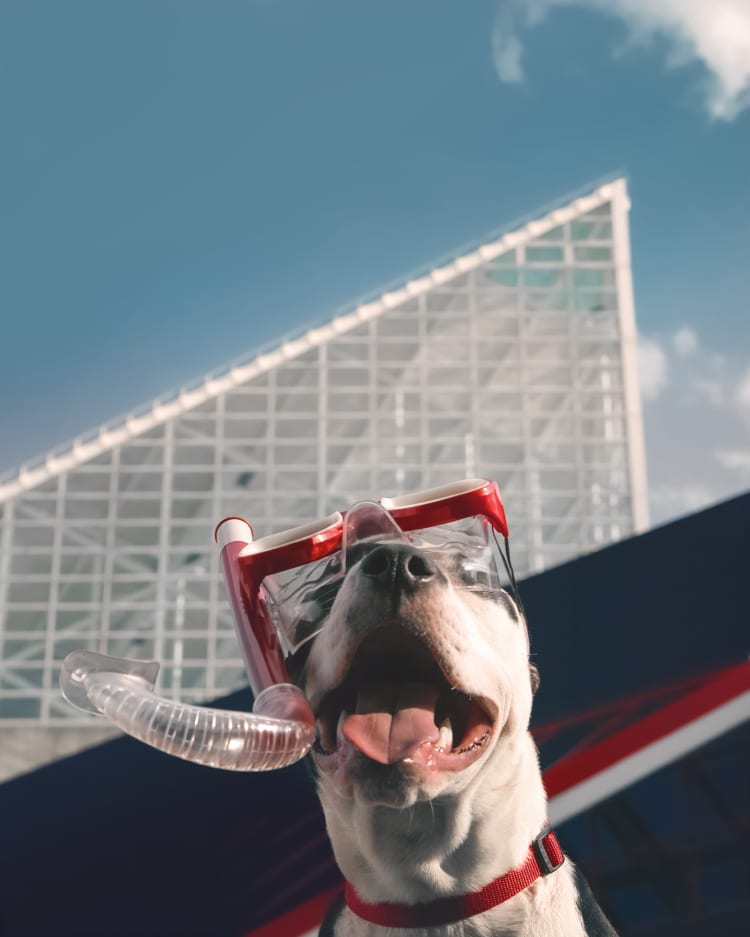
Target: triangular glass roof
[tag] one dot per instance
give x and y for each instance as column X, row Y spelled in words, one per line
column 518, row 233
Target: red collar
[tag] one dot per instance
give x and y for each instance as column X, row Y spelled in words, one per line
column 544, row 856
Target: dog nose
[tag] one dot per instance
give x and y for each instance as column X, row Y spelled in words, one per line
column 405, row 566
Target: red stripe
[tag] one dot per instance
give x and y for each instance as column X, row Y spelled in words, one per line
column 573, row 769
column 299, row 920
column 621, row 708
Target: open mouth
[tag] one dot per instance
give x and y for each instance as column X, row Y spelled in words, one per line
column 397, row 705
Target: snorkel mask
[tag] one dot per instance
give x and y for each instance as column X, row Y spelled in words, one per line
column 281, row 589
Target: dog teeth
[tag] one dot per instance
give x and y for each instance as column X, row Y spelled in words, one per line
column 339, row 731
column 445, row 741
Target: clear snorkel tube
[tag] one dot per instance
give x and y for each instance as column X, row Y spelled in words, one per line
column 279, row 731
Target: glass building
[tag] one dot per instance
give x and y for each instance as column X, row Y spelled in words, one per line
column 514, row 361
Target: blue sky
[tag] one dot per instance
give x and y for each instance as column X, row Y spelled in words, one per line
column 183, row 181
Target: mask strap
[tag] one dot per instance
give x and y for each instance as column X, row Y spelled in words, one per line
column 505, row 555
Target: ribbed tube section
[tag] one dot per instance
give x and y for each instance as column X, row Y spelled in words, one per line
column 215, row 737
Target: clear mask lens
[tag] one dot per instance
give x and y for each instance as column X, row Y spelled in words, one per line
column 299, row 600
column 468, row 551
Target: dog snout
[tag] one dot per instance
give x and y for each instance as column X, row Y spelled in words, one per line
column 403, row 566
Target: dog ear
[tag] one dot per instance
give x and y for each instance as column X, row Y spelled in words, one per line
column 534, row 674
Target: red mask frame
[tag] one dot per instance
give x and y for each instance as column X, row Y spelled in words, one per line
column 246, row 563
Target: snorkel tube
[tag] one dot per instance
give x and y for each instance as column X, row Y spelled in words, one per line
column 279, row 731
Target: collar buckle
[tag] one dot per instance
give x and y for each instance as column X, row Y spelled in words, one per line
column 548, row 854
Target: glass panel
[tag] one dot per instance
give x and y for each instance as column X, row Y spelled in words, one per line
column 348, row 352
column 543, row 254
column 348, row 377
column 294, row 402
column 88, row 481
column 21, row 707
column 129, row 508
column 499, row 427
column 594, row 301
column 499, row 277
column 350, row 401
column 297, row 377
column 137, row 536
column 238, row 402
column 397, row 351
column 28, row 592
column 33, row 564
column 590, row 230
column 500, row 453
column 398, row 327
column 553, row 300
column 595, row 276
column 446, row 301
column 296, row 428
column 140, row 481
column 141, row 455
column 192, row 425
column 544, row 278
column 498, row 351
column 547, row 351
column 456, row 352
column 592, row 253
column 79, row 592
column 192, row 481
column 550, row 377
column 193, row 455
column 18, row 621
column 27, row 535
column 186, row 508
column 557, row 453
column 448, row 377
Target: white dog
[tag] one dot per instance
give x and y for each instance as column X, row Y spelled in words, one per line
column 427, row 773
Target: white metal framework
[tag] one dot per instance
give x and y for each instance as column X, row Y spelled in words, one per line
column 515, row 361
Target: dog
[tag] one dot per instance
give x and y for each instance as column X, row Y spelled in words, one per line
column 426, row 771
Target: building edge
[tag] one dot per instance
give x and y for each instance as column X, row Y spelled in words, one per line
column 629, row 345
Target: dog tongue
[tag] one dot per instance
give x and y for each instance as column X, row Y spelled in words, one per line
column 392, row 720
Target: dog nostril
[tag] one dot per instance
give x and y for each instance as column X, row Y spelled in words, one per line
column 419, row 568
column 377, row 563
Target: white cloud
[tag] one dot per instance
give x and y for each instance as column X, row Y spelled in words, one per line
column 506, row 50
column 675, row 500
column 742, row 396
column 736, row 460
column 697, row 441
column 652, row 368
column 715, row 33
column 711, row 389
column 685, row 341
column 506, row 46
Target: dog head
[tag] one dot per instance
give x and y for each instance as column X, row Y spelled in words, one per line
column 417, row 680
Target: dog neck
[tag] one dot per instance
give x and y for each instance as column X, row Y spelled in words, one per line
column 449, row 846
